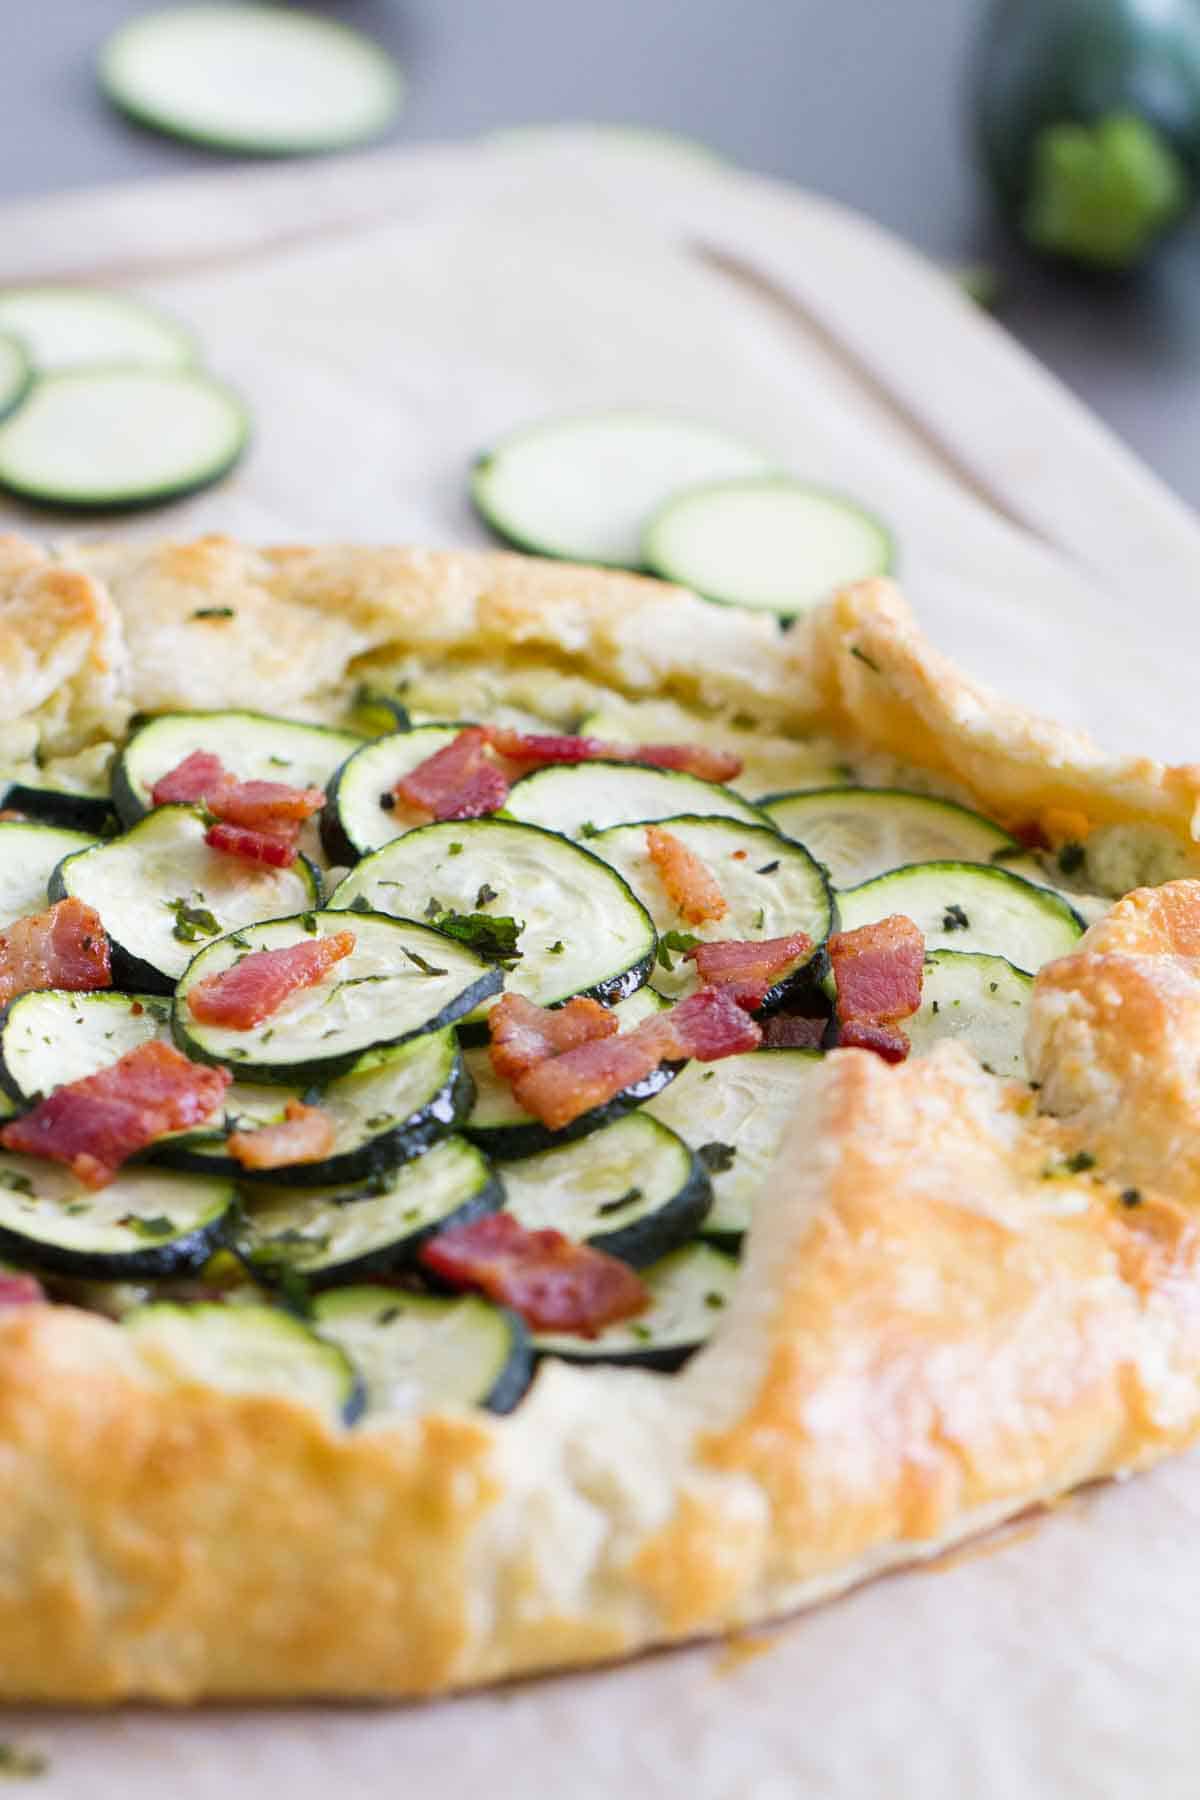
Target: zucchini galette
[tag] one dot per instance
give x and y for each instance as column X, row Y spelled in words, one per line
column 545, row 1117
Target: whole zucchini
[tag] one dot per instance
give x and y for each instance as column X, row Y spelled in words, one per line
column 1089, row 119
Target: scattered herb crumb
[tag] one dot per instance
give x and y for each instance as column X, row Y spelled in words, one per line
column 628, row 1198
column 485, row 896
column 426, row 968
column 214, row 612
column 192, row 923
column 678, row 941
column 768, row 868
column 1131, row 1196
column 717, row 1157
column 1071, row 858
column 864, row 658
column 588, row 830
column 955, row 919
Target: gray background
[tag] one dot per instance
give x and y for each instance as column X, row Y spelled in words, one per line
column 864, row 100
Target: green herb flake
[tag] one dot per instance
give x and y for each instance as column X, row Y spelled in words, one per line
column 192, row 923
column 419, row 962
column 1071, row 858
column 1131, row 1196
column 714, row 1300
column 955, row 919
column 628, row 1198
column 768, row 868
column 379, row 1121
column 18, row 1184
column 359, row 904
column 214, row 612
column 1079, row 1162
column 157, row 1226
column 434, row 908
column 494, row 937
column 239, row 941
column 454, row 849
column 864, row 658
column 717, row 1157
column 759, row 919
column 1008, row 853
column 588, row 830
column 556, row 948
column 678, row 941
column 280, row 762
column 388, row 1316
column 485, row 896
column 18, row 1764
column 643, row 1333
column 309, row 922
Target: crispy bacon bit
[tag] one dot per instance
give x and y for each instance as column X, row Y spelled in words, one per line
column 554, row 1284
column 878, row 970
column 252, row 846
column 248, row 992
column 64, row 947
column 538, row 750
column 1031, row 834
column 747, row 968
column 524, row 1034
column 199, row 777
column 706, row 1025
column 792, row 1031
column 19, row 1289
column 10, row 816
column 690, row 887
column 96, row 1124
column 259, row 820
column 459, row 781
column 306, row 1134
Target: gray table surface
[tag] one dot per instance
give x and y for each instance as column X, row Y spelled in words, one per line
column 862, row 100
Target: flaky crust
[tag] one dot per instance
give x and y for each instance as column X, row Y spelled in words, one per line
column 947, row 1312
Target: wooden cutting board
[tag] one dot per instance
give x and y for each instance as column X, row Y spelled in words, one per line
column 387, row 317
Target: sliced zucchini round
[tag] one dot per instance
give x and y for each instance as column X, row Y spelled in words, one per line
column 981, row 999
column 392, row 1106
column 52, row 1037
column 29, row 855
column 400, row 981
column 580, row 799
column 502, row 1127
column 859, row 833
column 768, row 542
column 583, row 931
column 146, row 1222
column 67, row 327
column 583, row 487
column 734, row 1114
column 689, row 1291
column 113, row 437
column 771, row 886
column 256, row 79
column 70, row 809
column 770, row 764
column 252, row 746
column 421, row 1353
column 634, row 1189
column 965, row 906
column 361, row 815
column 15, row 372
column 248, row 1349
column 338, row 1233
column 161, row 893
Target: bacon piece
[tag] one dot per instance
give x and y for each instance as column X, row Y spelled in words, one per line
column 252, row 846
column 305, row 1134
column 199, row 777
column 539, row 749
column 748, row 968
column 457, row 782
column 524, row 1034
column 706, row 1025
column 19, row 1289
column 271, row 806
column 878, row 969
column 248, row 992
column 64, row 947
column 554, row 1284
column 96, row 1124
column 690, row 887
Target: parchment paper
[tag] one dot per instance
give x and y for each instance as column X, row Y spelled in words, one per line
column 387, row 318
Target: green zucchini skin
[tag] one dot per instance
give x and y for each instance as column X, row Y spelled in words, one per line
column 181, row 1253
column 92, row 813
column 358, row 1320
column 443, row 1113
column 689, row 1290
column 337, row 841
column 1048, row 63
column 217, row 731
column 512, row 1143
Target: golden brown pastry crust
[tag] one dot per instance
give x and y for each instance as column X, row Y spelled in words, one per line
column 946, row 1314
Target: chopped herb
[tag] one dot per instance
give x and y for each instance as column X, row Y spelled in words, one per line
column 192, row 923
column 768, row 868
column 434, row 908
column 1008, row 853
column 1131, row 1196
column 492, row 936
column 556, row 948
column 19, row 1184
column 388, row 1316
column 626, row 1199
column 454, row 849
column 864, row 658
column 1071, row 858
column 309, row 922
column 955, row 919
column 679, row 941
column 214, row 612
column 987, row 1068
column 759, row 920
column 743, row 721
column 76, row 1208
column 270, row 1032
column 717, row 1157
column 587, row 829
column 936, row 1007
column 354, row 981
column 643, row 1333
column 280, row 762
column 426, row 968
column 993, row 987
column 714, row 1300
column 485, row 896
column 359, row 904
column 292, row 1238
column 157, row 1227
column 377, row 1121
column 21, row 1765
column 388, row 802
column 239, row 941
column 1079, row 1161
column 708, row 1075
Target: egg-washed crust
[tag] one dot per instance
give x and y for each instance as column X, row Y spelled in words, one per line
column 961, row 1296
